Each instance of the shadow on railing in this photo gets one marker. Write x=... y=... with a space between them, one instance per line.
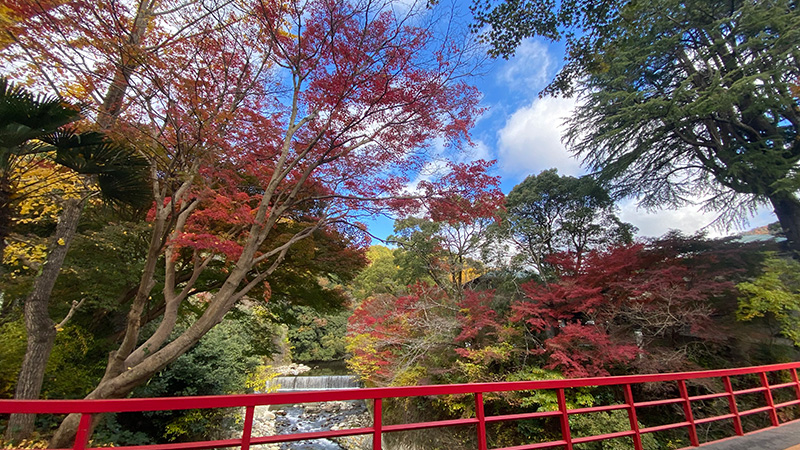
x=377 y=395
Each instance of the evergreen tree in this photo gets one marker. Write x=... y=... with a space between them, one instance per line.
x=682 y=100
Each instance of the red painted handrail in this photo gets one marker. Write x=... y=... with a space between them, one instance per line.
x=89 y=407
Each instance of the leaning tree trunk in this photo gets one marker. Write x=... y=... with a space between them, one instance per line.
x=787 y=208
x=120 y=384
x=40 y=328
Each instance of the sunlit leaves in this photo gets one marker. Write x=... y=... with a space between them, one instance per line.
x=774 y=294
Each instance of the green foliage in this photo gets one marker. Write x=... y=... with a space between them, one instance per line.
x=775 y=293
x=681 y=99
x=317 y=337
x=102 y=264
x=380 y=276
x=693 y=100
x=75 y=364
x=12 y=335
x=444 y=253
x=25 y=117
x=546 y=400
x=549 y=213
x=313 y=273
x=418 y=247
x=608 y=422
x=218 y=364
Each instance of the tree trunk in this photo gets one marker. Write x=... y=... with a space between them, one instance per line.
x=40 y=328
x=121 y=384
x=5 y=229
x=5 y=212
x=787 y=208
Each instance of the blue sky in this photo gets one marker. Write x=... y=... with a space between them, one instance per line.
x=523 y=133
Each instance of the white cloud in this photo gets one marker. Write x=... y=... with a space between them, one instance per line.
x=688 y=219
x=478 y=150
x=530 y=141
x=403 y=8
x=529 y=69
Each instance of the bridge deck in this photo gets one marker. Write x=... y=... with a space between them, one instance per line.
x=785 y=437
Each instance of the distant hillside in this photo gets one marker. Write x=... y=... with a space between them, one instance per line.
x=757 y=231
x=763 y=233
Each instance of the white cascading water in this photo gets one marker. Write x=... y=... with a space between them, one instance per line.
x=314 y=417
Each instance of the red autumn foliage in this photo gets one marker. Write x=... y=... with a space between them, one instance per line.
x=579 y=350
x=465 y=193
x=594 y=312
x=625 y=308
x=391 y=334
x=476 y=317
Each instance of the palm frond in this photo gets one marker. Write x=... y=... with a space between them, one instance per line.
x=24 y=116
x=121 y=173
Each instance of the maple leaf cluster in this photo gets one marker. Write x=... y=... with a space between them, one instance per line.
x=622 y=308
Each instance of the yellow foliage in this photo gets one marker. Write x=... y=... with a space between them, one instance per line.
x=259 y=378
x=182 y=424
x=24 y=444
x=10 y=17
x=364 y=361
x=38 y=186
x=470 y=274
x=409 y=376
x=23 y=254
x=476 y=368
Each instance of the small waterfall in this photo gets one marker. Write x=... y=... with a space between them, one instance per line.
x=313 y=383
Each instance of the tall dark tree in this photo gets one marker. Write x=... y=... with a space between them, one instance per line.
x=682 y=100
x=550 y=213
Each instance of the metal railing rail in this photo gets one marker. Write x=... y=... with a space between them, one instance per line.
x=87 y=408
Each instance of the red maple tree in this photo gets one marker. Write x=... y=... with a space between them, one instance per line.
x=255 y=116
x=624 y=302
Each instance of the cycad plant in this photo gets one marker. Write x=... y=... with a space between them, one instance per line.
x=42 y=126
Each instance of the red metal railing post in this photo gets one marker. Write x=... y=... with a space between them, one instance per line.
x=377 y=424
x=247 y=432
x=796 y=382
x=479 y=414
x=565 y=432
x=687 y=410
x=773 y=413
x=737 y=419
x=637 y=437
x=82 y=436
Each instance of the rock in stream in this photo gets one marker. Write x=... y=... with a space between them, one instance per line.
x=305 y=418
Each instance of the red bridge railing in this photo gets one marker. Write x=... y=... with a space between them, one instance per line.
x=87 y=408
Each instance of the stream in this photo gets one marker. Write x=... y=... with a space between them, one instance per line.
x=318 y=417
x=304 y=418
